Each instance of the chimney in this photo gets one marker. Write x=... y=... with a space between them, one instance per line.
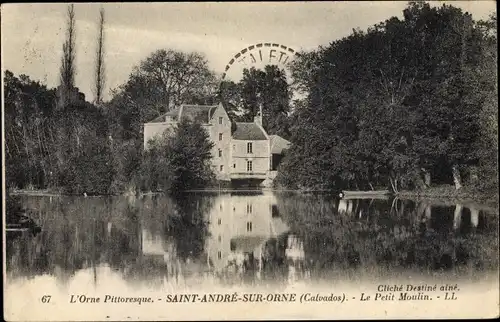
x=258 y=118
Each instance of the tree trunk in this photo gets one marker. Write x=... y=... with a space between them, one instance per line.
x=456 y=177
x=393 y=184
x=427 y=177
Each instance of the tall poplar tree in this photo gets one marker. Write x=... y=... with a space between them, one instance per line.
x=68 y=61
x=99 y=68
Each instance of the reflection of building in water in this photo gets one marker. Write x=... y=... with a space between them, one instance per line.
x=239 y=227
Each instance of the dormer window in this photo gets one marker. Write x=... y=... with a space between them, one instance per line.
x=220 y=120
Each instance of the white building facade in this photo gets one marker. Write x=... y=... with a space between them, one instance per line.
x=241 y=151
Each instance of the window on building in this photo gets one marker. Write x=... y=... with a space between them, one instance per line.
x=219 y=221
x=220 y=136
x=234 y=165
x=220 y=153
x=220 y=120
x=249 y=166
x=249 y=147
x=249 y=226
x=219 y=255
x=249 y=209
x=234 y=147
x=221 y=168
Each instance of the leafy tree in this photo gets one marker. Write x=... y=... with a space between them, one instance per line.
x=178 y=160
x=268 y=88
x=164 y=79
x=89 y=171
x=487 y=148
x=28 y=107
x=83 y=149
x=383 y=105
x=230 y=97
x=44 y=143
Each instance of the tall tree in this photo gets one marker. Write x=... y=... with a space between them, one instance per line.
x=67 y=72
x=178 y=160
x=100 y=67
x=405 y=95
x=487 y=149
x=28 y=144
x=230 y=97
x=162 y=80
x=267 y=88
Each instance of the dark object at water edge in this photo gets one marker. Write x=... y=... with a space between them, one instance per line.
x=346 y=193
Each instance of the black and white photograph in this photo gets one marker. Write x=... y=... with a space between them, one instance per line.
x=170 y=161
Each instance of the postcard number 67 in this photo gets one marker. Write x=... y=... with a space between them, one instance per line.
x=46 y=298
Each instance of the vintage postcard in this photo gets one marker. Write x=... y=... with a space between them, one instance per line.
x=250 y=160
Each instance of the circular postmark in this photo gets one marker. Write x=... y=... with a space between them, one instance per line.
x=262 y=54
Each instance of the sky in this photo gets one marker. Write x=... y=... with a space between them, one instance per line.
x=32 y=34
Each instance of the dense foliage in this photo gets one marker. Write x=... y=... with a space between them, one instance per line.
x=397 y=105
x=79 y=148
x=266 y=88
x=178 y=161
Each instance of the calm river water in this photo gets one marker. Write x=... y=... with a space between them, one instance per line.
x=258 y=238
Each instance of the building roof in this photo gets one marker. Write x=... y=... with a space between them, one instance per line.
x=278 y=144
x=161 y=118
x=248 y=131
x=196 y=113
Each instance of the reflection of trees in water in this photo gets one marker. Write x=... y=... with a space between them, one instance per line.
x=386 y=235
x=86 y=232
x=80 y=233
x=75 y=235
x=187 y=224
x=274 y=263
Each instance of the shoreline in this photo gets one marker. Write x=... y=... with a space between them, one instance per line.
x=444 y=195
